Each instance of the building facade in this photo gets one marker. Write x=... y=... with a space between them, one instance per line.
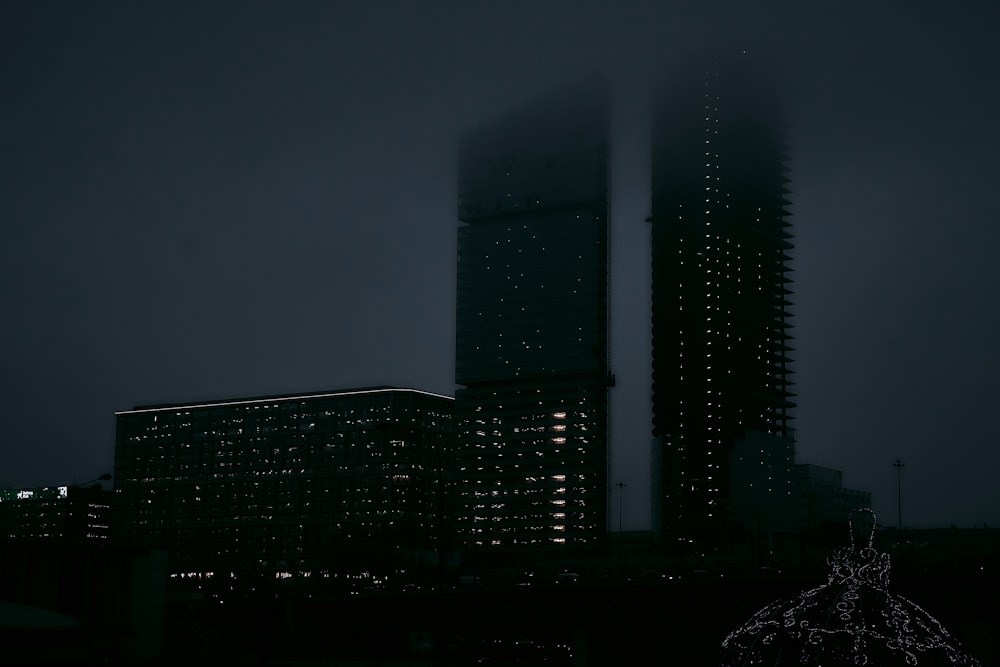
x=531 y=330
x=56 y=514
x=720 y=290
x=287 y=486
x=827 y=504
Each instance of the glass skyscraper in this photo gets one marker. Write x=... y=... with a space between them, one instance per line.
x=720 y=269
x=531 y=332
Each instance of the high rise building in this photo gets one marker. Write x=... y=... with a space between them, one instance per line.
x=720 y=270
x=321 y=484
x=531 y=333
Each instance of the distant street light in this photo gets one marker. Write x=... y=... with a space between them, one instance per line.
x=898 y=465
x=621 y=501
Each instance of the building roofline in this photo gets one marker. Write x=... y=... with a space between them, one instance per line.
x=277 y=397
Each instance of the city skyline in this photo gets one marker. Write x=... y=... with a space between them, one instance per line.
x=224 y=218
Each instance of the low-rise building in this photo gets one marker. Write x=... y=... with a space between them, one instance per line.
x=827 y=502
x=55 y=513
x=322 y=485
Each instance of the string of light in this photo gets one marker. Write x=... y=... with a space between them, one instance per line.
x=853 y=619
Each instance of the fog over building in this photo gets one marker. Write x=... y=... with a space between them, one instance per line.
x=531 y=356
x=721 y=389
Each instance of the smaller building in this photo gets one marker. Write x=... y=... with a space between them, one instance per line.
x=828 y=504
x=55 y=513
x=70 y=596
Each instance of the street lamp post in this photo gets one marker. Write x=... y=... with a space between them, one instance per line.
x=621 y=501
x=898 y=465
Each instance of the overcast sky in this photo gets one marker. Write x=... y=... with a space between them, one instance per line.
x=205 y=200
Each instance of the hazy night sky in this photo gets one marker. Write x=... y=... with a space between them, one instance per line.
x=206 y=200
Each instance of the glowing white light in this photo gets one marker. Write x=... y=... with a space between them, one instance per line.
x=283 y=399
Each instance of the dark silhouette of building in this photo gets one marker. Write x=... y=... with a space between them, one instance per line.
x=720 y=320
x=531 y=333
x=317 y=485
x=68 y=594
x=827 y=503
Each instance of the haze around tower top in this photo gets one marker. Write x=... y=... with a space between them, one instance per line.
x=232 y=199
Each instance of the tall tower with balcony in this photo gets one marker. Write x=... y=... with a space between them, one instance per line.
x=531 y=331
x=721 y=239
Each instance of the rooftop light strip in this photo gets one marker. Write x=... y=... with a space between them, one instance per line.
x=193 y=406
